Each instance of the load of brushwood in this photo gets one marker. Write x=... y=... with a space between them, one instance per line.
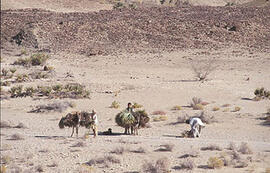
x=127 y=119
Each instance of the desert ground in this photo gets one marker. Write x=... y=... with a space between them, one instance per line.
x=158 y=73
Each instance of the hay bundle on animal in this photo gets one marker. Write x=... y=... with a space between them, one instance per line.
x=76 y=119
x=132 y=120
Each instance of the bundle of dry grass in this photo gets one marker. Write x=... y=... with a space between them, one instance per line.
x=206 y=118
x=138 y=119
x=76 y=119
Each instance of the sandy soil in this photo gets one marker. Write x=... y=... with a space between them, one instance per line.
x=158 y=82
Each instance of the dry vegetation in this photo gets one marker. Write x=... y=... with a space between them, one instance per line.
x=187 y=164
x=245 y=149
x=212 y=147
x=33 y=60
x=160 y=118
x=106 y=161
x=115 y=105
x=196 y=103
x=53 y=107
x=16 y=136
x=166 y=147
x=161 y=166
x=72 y=90
x=215 y=163
x=119 y=151
x=79 y=144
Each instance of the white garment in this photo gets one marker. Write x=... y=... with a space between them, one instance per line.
x=196 y=124
x=94 y=117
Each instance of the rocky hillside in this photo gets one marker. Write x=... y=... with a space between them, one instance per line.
x=135 y=30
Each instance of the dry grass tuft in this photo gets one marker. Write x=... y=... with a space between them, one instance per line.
x=215 y=163
x=206 y=118
x=212 y=147
x=196 y=103
x=119 y=151
x=160 y=118
x=105 y=161
x=161 y=166
x=79 y=144
x=191 y=153
x=53 y=107
x=187 y=164
x=5 y=159
x=166 y=147
x=137 y=106
x=158 y=113
x=232 y=146
x=236 y=109
x=53 y=165
x=245 y=149
x=16 y=136
x=140 y=150
x=215 y=108
x=182 y=119
x=177 y=108
x=5 y=124
x=39 y=168
x=226 y=105
x=20 y=126
x=115 y=105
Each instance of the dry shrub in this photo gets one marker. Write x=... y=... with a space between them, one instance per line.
x=17 y=136
x=226 y=159
x=5 y=124
x=196 y=103
x=5 y=147
x=187 y=164
x=105 y=160
x=232 y=146
x=182 y=118
x=226 y=105
x=161 y=166
x=3 y=169
x=137 y=106
x=79 y=144
x=20 y=126
x=115 y=105
x=202 y=69
x=212 y=147
x=34 y=60
x=191 y=153
x=241 y=164
x=226 y=110
x=236 y=109
x=267 y=170
x=54 y=164
x=158 y=113
x=215 y=108
x=187 y=134
x=53 y=107
x=140 y=150
x=160 y=118
x=119 y=150
x=86 y=169
x=215 y=163
x=245 y=149
x=5 y=159
x=39 y=168
x=166 y=147
x=206 y=118
x=177 y=108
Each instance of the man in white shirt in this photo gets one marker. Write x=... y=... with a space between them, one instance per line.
x=196 y=124
x=95 y=122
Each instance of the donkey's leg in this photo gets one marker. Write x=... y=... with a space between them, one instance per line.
x=77 y=130
x=72 y=131
x=125 y=131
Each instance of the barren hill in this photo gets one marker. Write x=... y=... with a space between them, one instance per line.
x=133 y=30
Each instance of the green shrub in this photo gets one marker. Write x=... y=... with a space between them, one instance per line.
x=136 y=105
x=13 y=70
x=118 y=5
x=177 y=108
